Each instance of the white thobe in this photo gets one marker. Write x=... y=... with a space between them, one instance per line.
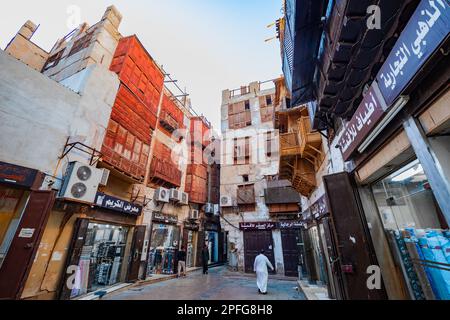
x=262 y=274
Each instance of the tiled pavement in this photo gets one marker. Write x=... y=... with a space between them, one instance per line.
x=219 y=284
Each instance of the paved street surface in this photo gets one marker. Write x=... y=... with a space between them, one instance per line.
x=218 y=285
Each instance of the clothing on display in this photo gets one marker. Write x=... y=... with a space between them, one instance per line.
x=163 y=246
x=212 y=239
x=101 y=258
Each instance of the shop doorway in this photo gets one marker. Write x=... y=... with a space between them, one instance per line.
x=163 y=247
x=136 y=253
x=212 y=239
x=254 y=242
x=96 y=258
x=351 y=239
x=22 y=228
x=190 y=245
x=291 y=242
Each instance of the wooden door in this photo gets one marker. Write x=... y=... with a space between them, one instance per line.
x=254 y=242
x=291 y=242
x=136 y=253
x=351 y=238
x=22 y=251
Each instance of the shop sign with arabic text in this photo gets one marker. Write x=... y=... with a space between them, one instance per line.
x=17 y=175
x=112 y=203
x=257 y=226
x=319 y=208
x=164 y=218
x=425 y=31
x=366 y=117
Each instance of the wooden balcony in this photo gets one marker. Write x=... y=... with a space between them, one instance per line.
x=304 y=177
x=310 y=142
x=289 y=144
x=165 y=173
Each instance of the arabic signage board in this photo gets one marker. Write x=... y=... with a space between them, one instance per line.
x=425 y=31
x=16 y=175
x=319 y=208
x=291 y=225
x=164 y=218
x=191 y=226
x=366 y=117
x=112 y=203
x=255 y=226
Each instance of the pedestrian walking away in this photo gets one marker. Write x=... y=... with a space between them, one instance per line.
x=262 y=274
x=205 y=258
x=181 y=257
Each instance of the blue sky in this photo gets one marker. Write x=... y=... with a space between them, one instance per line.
x=208 y=45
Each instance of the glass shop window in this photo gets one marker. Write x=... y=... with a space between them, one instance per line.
x=102 y=258
x=417 y=231
x=12 y=204
x=405 y=200
x=163 y=245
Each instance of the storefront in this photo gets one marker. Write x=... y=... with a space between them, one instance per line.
x=397 y=142
x=257 y=237
x=190 y=239
x=102 y=248
x=314 y=260
x=164 y=243
x=24 y=210
x=212 y=238
x=416 y=229
x=292 y=247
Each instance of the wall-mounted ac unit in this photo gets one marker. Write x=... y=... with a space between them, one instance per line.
x=81 y=183
x=184 y=198
x=105 y=177
x=194 y=214
x=216 y=210
x=175 y=195
x=226 y=201
x=162 y=195
x=209 y=208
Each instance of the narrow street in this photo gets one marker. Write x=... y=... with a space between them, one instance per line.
x=219 y=284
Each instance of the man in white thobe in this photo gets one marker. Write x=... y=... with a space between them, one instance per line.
x=262 y=274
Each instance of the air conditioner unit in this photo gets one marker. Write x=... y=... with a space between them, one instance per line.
x=194 y=214
x=184 y=198
x=209 y=208
x=105 y=177
x=226 y=201
x=216 y=210
x=162 y=195
x=81 y=182
x=175 y=195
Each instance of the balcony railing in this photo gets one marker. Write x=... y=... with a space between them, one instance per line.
x=304 y=177
x=310 y=142
x=289 y=144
